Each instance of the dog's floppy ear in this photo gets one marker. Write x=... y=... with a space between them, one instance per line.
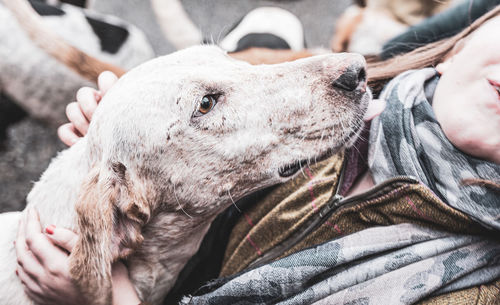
x=111 y=211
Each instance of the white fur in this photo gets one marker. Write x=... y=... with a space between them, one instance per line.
x=42 y=85
x=267 y=117
x=271 y=20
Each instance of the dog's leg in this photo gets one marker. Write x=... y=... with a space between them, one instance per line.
x=175 y=23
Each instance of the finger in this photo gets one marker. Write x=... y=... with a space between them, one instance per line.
x=87 y=100
x=25 y=258
x=22 y=251
x=32 y=224
x=75 y=116
x=45 y=252
x=68 y=134
x=20 y=238
x=31 y=287
x=30 y=283
x=105 y=81
x=61 y=237
x=27 y=261
x=36 y=298
x=20 y=244
x=35 y=240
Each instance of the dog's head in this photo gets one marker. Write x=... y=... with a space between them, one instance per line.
x=197 y=129
x=209 y=125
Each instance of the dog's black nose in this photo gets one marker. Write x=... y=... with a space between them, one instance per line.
x=351 y=78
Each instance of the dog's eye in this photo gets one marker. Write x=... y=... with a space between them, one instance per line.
x=207 y=103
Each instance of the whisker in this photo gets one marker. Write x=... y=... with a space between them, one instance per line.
x=179 y=203
x=234 y=203
x=221 y=32
x=302 y=170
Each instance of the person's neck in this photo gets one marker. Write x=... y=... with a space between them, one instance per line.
x=363 y=183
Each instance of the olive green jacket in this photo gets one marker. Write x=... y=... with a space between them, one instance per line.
x=300 y=214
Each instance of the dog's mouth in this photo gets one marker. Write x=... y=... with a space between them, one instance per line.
x=292 y=168
x=371 y=110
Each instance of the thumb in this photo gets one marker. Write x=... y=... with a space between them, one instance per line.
x=61 y=237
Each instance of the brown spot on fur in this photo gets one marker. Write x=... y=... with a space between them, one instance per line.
x=134 y=211
x=119 y=169
x=291 y=130
x=75 y=59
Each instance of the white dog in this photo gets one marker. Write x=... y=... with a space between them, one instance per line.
x=171 y=145
x=29 y=72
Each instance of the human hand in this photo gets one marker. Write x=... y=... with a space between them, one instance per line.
x=80 y=112
x=43 y=266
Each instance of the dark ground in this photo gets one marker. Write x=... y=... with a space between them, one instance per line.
x=30 y=144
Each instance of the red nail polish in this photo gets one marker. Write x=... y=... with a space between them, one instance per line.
x=17 y=273
x=50 y=229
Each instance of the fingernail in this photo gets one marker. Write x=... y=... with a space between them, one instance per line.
x=17 y=273
x=50 y=229
x=14 y=242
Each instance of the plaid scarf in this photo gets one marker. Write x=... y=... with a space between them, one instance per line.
x=399 y=264
x=406 y=139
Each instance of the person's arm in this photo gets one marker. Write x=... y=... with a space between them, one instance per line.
x=42 y=266
x=123 y=291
